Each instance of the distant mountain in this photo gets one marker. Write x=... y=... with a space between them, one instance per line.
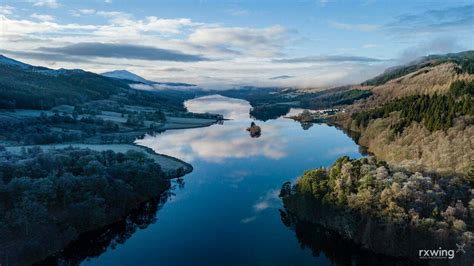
x=127 y=75
x=26 y=86
x=23 y=86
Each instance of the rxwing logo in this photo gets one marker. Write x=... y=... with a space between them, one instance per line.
x=441 y=253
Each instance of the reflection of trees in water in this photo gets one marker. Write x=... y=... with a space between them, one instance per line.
x=93 y=244
x=354 y=136
x=180 y=182
x=337 y=249
x=306 y=125
x=269 y=112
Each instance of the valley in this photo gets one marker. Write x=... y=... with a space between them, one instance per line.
x=102 y=156
x=235 y=133
x=74 y=156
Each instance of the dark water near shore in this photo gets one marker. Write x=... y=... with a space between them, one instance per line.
x=227 y=210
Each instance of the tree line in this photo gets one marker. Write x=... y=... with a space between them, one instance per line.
x=399 y=204
x=435 y=112
x=48 y=198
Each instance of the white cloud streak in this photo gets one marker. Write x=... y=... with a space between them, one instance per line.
x=6 y=10
x=42 y=17
x=46 y=3
x=258 y=42
x=233 y=56
x=354 y=27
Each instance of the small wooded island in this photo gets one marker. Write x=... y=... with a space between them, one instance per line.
x=254 y=130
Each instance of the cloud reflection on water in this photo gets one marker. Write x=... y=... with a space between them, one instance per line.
x=219 y=142
x=230 y=108
x=269 y=200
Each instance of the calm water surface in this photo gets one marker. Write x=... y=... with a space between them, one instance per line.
x=227 y=212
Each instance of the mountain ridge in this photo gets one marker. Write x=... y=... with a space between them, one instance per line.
x=130 y=76
x=127 y=75
x=463 y=59
x=24 y=86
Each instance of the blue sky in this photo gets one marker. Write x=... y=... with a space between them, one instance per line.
x=312 y=44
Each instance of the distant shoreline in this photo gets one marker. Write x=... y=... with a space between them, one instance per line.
x=171 y=165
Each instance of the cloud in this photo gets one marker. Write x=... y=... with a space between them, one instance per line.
x=258 y=42
x=434 y=21
x=86 y=11
x=237 y=11
x=42 y=17
x=439 y=45
x=370 y=45
x=229 y=63
x=46 y=3
x=227 y=56
x=159 y=86
x=45 y=56
x=128 y=51
x=116 y=16
x=173 y=69
x=6 y=10
x=143 y=87
x=13 y=27
x=354 y=27
x=123 y=22
x=282 y=77
x=330 y=59
x=323 y=2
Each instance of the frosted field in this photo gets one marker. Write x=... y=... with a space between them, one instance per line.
x=167 y=163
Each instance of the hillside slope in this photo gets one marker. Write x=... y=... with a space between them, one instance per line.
x=422 y=119
x=24 y=86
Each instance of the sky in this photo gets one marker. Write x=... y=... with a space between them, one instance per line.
x=225 y=44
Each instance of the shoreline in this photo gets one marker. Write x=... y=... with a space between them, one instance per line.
x=172 y=167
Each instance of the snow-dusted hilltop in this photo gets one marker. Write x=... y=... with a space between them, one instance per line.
x=127 y=75
x=124 y=74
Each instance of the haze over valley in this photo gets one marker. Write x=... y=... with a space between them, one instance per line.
x=236 y=133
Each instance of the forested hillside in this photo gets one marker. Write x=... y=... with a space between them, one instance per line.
x=464 y=62
x=436 y=112
x=421 y=119
x=40 y=88
x=23 y=86
x=49 y=198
